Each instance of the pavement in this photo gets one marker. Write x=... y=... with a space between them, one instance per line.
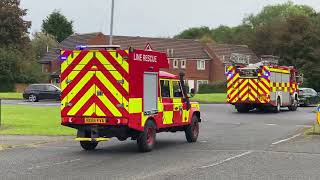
x=25 y=102
x=230 y=146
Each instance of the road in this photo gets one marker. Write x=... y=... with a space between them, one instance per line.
x=231 y=146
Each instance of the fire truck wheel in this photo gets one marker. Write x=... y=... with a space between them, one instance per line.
x=192 y=130
x=294 y=106
x=88 y=145
x=146 y=139
x=278 y=107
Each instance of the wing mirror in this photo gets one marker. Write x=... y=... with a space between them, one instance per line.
x=192 y=92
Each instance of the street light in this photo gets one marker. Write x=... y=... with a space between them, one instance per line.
x=111 y=22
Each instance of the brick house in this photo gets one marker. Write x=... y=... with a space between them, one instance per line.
x=202 y=63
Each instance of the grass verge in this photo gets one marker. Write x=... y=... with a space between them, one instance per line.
x=11 y=95
x=210 y=98
x=314 y=130
x=31 y=120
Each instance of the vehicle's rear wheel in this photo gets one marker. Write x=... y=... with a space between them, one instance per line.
x=294 y=106
x=242 y=108
x=146 y=139
x=277 y=108
x=88 y=145
x=192 y=130
x=33 y=98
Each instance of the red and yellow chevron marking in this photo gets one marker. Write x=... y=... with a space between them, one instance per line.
x=94 y=83
x=247 y=89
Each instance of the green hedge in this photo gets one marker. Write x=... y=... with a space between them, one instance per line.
x=217 y=87
x=6 y=86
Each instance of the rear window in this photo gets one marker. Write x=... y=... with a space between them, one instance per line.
x=248 y=72
x=308 y=91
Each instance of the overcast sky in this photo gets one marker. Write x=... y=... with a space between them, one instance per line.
x=153 y=18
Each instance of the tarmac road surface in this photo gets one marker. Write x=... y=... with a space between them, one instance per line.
x=230 y=146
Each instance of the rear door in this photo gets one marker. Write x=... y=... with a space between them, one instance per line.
x=112 y=85
x=78 y=85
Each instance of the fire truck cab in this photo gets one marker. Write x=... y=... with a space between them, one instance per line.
x=110 y=92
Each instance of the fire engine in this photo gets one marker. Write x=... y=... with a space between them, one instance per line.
x=111 y=92
x=264 y=85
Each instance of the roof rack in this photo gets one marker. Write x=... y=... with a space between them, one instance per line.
x=269 y=60
x=99 y=46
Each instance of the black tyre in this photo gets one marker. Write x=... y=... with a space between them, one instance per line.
x=147 y=139
x=242 y=108
x=192 y=130
x=294 y=106
x=277 y=108
x=33 y=98
x=88 y=145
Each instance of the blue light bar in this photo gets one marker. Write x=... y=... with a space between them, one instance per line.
x=81 y=47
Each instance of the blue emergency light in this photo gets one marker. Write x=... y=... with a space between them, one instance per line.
x=229 y=74
x=266 y=74
x=63 y=57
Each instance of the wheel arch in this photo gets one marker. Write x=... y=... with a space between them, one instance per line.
x=153 y=120
x=197 y=113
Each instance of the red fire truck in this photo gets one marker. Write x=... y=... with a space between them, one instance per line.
x=264 y=85
x=110 y=92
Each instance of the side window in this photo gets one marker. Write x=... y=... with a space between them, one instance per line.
x=36 y=87
x=177 y=92
x=42 y=88
x=51 y=88
x=165 y=88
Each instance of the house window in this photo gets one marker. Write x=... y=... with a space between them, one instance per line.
x=183 y=64
x=44 y=68
x=175 y=63
x=199 y=82
x=201 y=64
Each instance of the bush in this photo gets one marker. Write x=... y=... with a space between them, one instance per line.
x=217 y=87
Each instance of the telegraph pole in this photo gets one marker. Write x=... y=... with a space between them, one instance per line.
x=111 y=22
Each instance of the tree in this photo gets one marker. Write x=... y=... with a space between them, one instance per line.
x=287 y=30
x=13 y=29
x=41 y=43
x=194 y=33
x=57 y=25
x=279 y=12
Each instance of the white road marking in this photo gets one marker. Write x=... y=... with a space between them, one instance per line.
x=284 y=140
x=228 y=159
x=49 y=165
x=272 y=124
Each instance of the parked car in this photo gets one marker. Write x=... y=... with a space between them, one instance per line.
x=36 y=92
x=308 y=96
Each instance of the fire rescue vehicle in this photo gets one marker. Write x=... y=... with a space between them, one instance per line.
x=264 y=85
x=110 y=92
